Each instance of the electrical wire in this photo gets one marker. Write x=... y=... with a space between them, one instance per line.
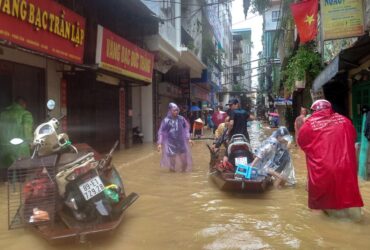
x=232 y=81
x=189 y=4
x=243 y=63
x=245 y=19
x=193 y=13
x=245 y=71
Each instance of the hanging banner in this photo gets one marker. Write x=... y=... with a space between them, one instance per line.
x=118 y=55
x=44 y=26
x=342 y=18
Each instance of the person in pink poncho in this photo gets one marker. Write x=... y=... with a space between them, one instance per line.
x=299 y=122
x=174 y=140
x=328 y=140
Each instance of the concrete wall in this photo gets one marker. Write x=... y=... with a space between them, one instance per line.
x=136 y=107
x=147 y=112
x=191 y=21
x=170 y=28
x=269 y=24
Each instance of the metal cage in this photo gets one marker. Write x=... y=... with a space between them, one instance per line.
x=32 y=192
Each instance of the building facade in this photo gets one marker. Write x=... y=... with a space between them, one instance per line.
x=110 y=67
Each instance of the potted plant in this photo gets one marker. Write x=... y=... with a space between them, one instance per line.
x=305 y=61
x=300 y=84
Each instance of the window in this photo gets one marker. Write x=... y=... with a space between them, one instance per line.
x=168 y=8
x=166 y=5
x=275 y=15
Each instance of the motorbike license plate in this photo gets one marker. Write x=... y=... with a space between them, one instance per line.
x=241 y=160
x=91 y=188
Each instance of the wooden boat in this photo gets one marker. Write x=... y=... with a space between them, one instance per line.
x=69 y=228
x=62 y=225
x=227 y=182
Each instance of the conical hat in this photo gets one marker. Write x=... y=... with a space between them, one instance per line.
x=199 y=120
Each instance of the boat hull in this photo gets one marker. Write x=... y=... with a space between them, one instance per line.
x=70 y=229
x=227 y=182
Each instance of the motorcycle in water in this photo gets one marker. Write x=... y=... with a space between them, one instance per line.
x=237 y=176
x=137 y=135
x=64 y=190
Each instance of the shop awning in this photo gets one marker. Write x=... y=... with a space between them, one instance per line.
x=283 y=101
x=346 y=60
x=166 y=54
x=207 y=78
x=327 y=74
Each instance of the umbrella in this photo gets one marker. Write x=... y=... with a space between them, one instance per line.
x=208 y=109
x=274 y=114
x=194 y=108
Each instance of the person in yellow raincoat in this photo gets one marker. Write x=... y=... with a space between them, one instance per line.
x=15 y=122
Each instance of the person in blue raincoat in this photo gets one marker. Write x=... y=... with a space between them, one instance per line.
x=15 y=122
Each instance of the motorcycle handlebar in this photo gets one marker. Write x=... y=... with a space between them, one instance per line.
x=60 y=117
x=106 y=161
x=113 y=148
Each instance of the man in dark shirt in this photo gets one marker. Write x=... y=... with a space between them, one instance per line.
x=238 y=119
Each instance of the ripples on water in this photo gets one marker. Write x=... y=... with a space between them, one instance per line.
x=187 y=211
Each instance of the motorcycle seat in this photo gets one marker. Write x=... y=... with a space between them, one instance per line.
x=238 y=145
x=67 y=160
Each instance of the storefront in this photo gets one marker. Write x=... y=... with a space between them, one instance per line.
x=200 y=95
x=172 y=86
x=19 y=80
x=168 y=92
x=204 y=89
x=345 y=81
x=104 y=104
x=37 y=39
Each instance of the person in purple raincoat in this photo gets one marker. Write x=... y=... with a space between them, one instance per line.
x=174 y=140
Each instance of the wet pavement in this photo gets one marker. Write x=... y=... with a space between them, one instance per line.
x=187 y=211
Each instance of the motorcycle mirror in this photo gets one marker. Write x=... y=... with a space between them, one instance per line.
x=50 y=104
x=16 y=141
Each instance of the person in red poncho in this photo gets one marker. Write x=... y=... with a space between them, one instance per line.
x=328 y=140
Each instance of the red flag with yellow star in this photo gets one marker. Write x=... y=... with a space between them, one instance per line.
x=305 y=17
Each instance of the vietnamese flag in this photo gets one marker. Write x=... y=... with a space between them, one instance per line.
x=305 y=17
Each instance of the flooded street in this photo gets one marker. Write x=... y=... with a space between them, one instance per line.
x=187 y=211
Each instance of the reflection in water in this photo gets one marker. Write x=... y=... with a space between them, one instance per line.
x=187 y=211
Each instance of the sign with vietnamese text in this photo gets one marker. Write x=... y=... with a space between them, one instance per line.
x=118 y=55
x=342 y=18
x=44 y=26
x=170 y=90
x=200 y=93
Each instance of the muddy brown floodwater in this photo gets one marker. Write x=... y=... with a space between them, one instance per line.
x=187 y=211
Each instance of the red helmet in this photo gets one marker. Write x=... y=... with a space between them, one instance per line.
x=320 y=104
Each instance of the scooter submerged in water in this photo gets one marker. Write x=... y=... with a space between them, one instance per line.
x=64 y=190
x=137 y=135
x=236 y=175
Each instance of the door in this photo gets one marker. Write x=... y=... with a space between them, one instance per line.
x=107 y=116
x=92 y=111
x=5 y=91
x=360 y=97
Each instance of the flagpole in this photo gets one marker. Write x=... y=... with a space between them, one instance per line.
x=321 y=35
